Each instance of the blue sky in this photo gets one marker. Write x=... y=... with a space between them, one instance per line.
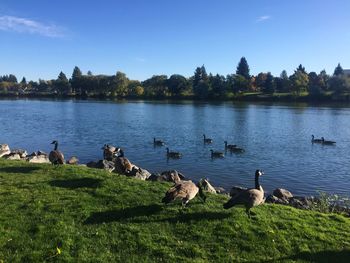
x=40 y=38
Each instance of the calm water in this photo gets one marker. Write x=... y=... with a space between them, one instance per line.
x=277 y=138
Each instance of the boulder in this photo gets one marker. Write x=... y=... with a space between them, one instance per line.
x=13 y=156
x=4 y=150
x=73 y=160
x=275 y=200
x=106 y=165
x=168 y=176
x=91 y=164
x=206 y=186
x=282 y=193
x=38 y=159
x=139 y=173
x=22 y=153
x=220 y=190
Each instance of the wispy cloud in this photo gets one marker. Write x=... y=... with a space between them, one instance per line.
x=263 y=18
x=24 y=25
x=139 y=59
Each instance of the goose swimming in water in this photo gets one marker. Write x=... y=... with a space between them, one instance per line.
x=207 y=140
x=55 y=156
x=185 y=190
x=215 y=154
x=313 y=140
x=173 y=154
x=249 y=197
x=327 y=142
x=230 y=146
x=158 y=142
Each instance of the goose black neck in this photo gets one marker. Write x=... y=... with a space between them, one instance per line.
x=56 y=145
x=257 y=185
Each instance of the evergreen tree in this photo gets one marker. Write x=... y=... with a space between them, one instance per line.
x=62 y=84
x=23 y=82
x=269 y=86
x=243 y=68
x=301 y=69
x=338 y=70
x=201 y=83
x=76 y=80
x=299 y=82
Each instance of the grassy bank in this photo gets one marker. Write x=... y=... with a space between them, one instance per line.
x=78 y=214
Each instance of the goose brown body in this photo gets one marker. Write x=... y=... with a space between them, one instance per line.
x=249 y=197
x=185 y=190
x=55 y=156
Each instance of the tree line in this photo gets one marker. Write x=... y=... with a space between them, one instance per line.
x=199 y=86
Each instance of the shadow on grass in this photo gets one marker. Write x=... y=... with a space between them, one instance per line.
x=77 y=183
x=23 y=170
x=319 y=257
x=133 y=214
x=123 y=214
x=185 y=217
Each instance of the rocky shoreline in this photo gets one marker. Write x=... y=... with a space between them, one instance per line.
x=121 y=165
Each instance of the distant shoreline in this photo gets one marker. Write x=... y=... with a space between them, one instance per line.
x=243 y=97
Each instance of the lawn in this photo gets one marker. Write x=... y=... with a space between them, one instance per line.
x=77 y=214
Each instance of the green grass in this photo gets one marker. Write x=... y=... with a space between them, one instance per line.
x=93 y=216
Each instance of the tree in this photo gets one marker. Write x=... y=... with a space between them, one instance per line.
x=324 y=78
x=243 y=68
x=89 y=73
x=75 y=81
x=177 y=84
x=299 y=82
x=156 y=86
x=218 y=86
x=314 y=84
x=260 y=80
x=302 y=69
x=338 y=84
x=23 y=82
x=338 y=70
x=120 y=84
x=269 y=86
x=62 y=84
x=201 y=83
x=240 y=84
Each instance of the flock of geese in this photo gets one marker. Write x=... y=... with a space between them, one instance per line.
x=233 y=148
x=184 y=190
x=187 y=190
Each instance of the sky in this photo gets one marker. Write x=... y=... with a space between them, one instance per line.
x=40 y=38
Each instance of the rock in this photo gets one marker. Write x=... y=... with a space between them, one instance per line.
x=282 y=193
x=38 y=159
x=73 y=160
x=4 y=150
x=13 y=156
x=20 y=152
x=220 y=190
x=207 y=186
x=139 y=173
x=275 y=200
x=170 y=176
x=236 y=189
x=38 y=153
x=106 y=165
x=91 y=164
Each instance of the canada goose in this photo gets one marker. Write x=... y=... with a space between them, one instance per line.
x=313 y=140
x=55 y=156
x=229 y=146
x=215 y=154
x=207 y=140
x=237 y=150
x=109 y=152
x=249 y=197
x=186 y=190
x=158 y=142
x=172 y=154
x=327 y=142
x=123 y=163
